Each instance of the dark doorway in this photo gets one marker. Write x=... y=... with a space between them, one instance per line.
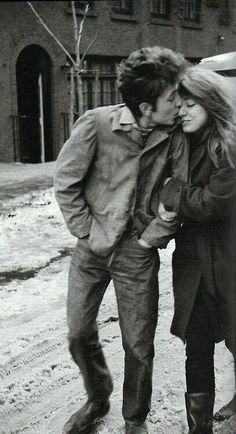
x=33 y=74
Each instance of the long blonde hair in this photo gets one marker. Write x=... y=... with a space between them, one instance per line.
x=213 y=92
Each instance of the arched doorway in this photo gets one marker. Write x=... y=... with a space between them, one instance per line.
x=33 y=75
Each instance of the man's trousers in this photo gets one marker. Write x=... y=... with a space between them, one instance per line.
x=134 y=270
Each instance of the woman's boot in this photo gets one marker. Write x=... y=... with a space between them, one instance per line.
x=227 y=411
x=199 y=407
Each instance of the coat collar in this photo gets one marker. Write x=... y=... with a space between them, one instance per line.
x=198 y=155
x=202 y=150
x=123 y=120
x=157 y=136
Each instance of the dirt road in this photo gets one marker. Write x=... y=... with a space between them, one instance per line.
x=40 y=385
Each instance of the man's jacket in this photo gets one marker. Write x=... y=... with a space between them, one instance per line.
x=104 y=177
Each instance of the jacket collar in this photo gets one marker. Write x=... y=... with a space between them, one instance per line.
x=122 y=119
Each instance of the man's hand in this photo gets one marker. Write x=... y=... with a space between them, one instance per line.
x=144 y=244
x=167 y=216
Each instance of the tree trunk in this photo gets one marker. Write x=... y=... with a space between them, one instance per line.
x=72 y=97
x=80 y=94
x=96 y=89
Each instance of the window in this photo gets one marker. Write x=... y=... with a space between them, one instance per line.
x=99 y=80
x=160 y=8
x=122 y=7
x=192 y=10
x=212 y=3
x=224 y=17
x=99 y=83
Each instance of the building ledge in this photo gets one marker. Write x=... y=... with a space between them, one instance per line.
x=161 y=21
x=191 y=25
x=123 y=17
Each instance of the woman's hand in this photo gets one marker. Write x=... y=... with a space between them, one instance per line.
x=167 y=216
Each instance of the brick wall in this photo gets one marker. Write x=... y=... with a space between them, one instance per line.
x=118 y=36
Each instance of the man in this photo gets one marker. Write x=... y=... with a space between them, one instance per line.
x=107 y=179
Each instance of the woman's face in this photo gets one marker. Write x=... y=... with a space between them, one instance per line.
x=193 y=115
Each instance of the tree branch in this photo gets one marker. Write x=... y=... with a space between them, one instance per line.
x=90 y=45
x=75 y=22
x=52 y=34
x=78 y=61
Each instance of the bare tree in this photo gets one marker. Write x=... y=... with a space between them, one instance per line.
x=76 y=64
x=78 y=30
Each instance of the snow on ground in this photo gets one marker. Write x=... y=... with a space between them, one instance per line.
x=34 y=234
x=40 y=385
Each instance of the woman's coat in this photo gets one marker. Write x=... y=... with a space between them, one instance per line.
x=205 y=242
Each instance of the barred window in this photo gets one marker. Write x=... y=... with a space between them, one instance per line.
x=224 y=5
x=192 y=10
x=122 y=7
x=160 y=8
x=99 y=83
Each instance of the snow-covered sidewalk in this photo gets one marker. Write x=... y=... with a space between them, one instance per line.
x=18 y=181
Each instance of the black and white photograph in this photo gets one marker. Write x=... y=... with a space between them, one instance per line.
x=118 y=217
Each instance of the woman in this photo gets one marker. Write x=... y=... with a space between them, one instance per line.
x=204 y=276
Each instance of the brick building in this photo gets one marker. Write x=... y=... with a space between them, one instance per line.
x=34 y=76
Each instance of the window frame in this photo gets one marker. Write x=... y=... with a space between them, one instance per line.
x=224 y=13
x=119 y=10
x=108 y=92
x=198 y=12
x=157 y=14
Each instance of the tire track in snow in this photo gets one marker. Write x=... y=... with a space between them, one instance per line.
x=52 y=350
x=18 y=361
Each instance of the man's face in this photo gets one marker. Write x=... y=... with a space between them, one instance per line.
x=167 y=107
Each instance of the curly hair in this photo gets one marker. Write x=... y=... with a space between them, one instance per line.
x=212 y=91
x=145 y=74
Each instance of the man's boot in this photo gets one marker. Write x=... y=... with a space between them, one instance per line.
x=227 y=411
x=132 y=428
x=98 y=385
x=83 y=419
x=199 y=408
